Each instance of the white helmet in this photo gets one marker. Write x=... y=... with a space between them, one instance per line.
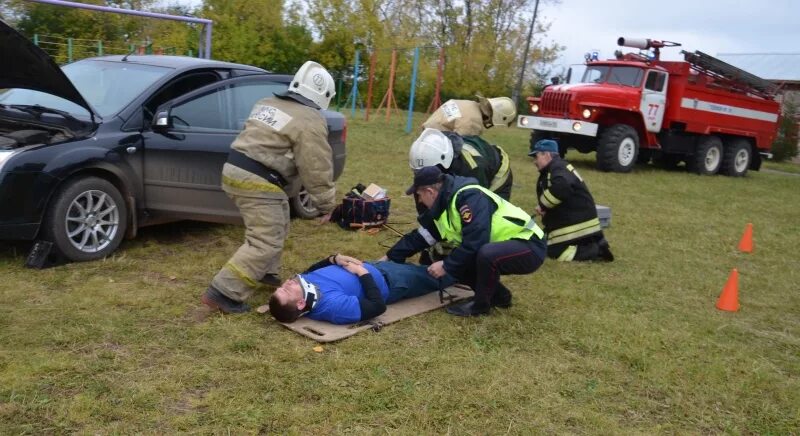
x=313 y=82
x=431 y=148
x=503 y=111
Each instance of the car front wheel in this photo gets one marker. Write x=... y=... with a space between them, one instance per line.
x=87 y=219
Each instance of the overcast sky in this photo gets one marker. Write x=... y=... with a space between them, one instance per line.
x=711 y=26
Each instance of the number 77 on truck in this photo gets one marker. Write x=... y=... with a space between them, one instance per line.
x=709 y=114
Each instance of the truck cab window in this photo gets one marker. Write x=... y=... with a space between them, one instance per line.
x=655 y=81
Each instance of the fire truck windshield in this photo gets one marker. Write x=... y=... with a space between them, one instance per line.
x=626 y=76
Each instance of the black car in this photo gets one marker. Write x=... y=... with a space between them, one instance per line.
x=91 y=153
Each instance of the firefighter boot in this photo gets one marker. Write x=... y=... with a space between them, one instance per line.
x=217 y=301
x=271 y=280
x=605 y=250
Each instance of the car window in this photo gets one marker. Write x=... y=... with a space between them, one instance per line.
x=107 y=86
x=203 y=112
x=178 y=87
x=245 y=96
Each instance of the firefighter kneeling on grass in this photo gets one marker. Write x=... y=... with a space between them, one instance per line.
x=567 y=208
x=284 y=145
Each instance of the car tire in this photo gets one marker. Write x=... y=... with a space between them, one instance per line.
x=302 y=206
x=736 y=158
x=707 y=158
x=87 y=219
x=617 y=149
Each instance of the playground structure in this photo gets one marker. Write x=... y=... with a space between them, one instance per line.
x=389 y=101
x=205 y=43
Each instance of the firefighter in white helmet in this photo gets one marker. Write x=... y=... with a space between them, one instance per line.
x=470 y=118
x=284 y=145
x=467 y=156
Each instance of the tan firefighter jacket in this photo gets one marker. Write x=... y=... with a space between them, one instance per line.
x=461 y=116
x=291 y=139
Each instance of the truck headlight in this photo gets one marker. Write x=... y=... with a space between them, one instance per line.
x=586 y=113
x=523 y=121
x=535 y=108
x=576 y=126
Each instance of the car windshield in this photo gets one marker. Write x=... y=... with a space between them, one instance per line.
x=627 y=76
x=107 y=86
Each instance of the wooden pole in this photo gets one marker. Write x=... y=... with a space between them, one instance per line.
x=437 y=93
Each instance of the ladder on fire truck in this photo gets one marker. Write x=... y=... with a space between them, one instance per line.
x=733 y=76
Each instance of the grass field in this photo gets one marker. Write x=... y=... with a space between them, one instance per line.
x=631 y=347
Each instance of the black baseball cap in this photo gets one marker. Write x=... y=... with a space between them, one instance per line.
x=425 y=176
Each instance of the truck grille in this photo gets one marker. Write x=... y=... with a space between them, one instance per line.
x=555 y=103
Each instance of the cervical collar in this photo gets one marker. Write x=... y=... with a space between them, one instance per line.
x=310 y=293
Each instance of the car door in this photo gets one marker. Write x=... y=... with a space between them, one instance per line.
x=183 y=162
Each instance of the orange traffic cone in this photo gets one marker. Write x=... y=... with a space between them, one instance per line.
x=746 y=244
x=729 y=299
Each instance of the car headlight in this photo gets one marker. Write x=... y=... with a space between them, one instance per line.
x=535 y=108
x=587 y=113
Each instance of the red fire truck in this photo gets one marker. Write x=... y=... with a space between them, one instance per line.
x=703 y=111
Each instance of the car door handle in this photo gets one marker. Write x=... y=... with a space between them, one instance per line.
x=131 y=150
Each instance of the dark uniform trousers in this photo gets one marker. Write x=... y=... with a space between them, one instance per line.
x=494 y=259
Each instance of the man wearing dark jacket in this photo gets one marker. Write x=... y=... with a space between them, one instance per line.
x=492 y=237
x=567 y=208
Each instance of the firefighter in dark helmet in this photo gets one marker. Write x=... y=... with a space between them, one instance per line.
x=567 y=208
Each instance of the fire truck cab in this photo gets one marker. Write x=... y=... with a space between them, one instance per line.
x=711 y=115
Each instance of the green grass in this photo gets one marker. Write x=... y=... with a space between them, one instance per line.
x=786 y=166
x=635 y=346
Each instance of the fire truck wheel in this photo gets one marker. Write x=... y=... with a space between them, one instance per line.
x=736 y=158
x=617 y=148
x=707 y=157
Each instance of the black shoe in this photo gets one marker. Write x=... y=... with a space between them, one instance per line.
x=605 y=251
x=271 y=280
x=467 y=309
x=503 y=302
x=501 y=297
x=217 y=301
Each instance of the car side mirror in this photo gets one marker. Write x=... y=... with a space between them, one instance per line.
x=162 y=122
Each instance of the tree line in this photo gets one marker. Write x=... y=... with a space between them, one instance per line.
x=483 y=40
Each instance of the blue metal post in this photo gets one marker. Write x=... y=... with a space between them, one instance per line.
x=413 y=87
x=354 y=93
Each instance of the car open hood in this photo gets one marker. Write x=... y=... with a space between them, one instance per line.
x=23 y=65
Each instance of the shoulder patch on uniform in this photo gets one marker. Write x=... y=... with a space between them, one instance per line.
x=451 y=111
x=466 y=213
x=271 y=116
